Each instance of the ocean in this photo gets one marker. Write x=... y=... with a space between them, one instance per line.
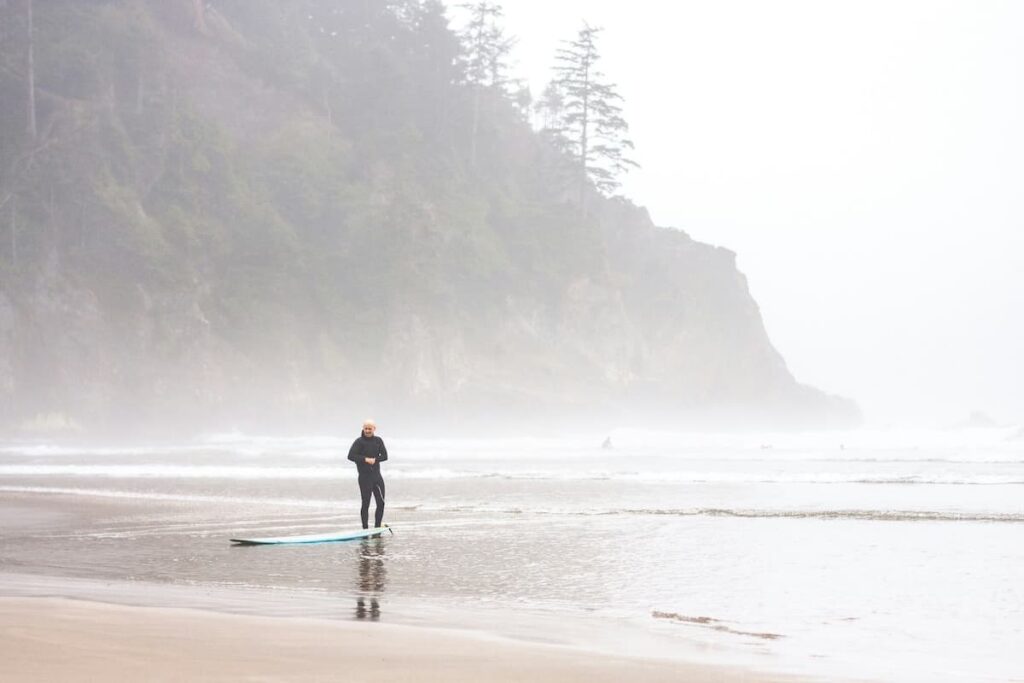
x=873 y=555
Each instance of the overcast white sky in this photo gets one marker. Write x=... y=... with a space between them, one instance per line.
x=864 y=159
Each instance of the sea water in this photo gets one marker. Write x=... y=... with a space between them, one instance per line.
x=878 y=555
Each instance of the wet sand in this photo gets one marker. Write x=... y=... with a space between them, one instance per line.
x=57 y=639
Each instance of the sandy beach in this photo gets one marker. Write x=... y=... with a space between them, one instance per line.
x=513 y=561
x=57 y=639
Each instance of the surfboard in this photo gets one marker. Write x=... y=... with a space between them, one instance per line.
x=332 y=537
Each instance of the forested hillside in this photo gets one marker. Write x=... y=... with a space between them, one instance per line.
x=275 y=215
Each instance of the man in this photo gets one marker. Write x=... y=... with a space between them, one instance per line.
x=368 y=452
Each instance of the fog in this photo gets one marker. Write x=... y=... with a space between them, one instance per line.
x=864 y=160
x=352 y=210
x=773 y=369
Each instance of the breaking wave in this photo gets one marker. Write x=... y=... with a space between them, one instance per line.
x=495 y=510
x=322 y=472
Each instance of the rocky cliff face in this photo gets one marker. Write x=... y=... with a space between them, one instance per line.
x=207 y=241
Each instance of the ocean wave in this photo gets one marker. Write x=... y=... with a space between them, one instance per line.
x=168 y=452
x=43 y=450
x=169 y=497
x=694 y=477
x=323 y=505
x=322 y=472
x=867 y=515
x=744 y=513
x=713 y=624
x=507 y=510
x=232 y=472
x=1001 y=444
x=160 y=471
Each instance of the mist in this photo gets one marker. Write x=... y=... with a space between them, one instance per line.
x=864 y=161
x=819 y=225
x=559 y=341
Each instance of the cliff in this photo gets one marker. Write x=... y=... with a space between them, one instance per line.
x=265 y=215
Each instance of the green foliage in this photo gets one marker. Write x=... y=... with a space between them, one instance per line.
x=486 y=48
x=584 y=115
x=290 y=186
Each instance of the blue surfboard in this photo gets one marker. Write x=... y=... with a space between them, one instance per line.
x=332 y=537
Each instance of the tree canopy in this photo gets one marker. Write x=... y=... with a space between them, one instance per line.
x=280 y=209
x=583 y=114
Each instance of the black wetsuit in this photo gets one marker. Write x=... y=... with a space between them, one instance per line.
x=370 y=480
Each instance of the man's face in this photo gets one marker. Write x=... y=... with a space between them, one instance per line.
x=368 y=429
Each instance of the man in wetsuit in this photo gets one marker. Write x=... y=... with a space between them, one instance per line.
x=368 y=452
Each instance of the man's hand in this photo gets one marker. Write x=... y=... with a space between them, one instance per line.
x=370 y=461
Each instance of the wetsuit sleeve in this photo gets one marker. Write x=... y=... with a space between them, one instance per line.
x=383 y=455
x=353 y=452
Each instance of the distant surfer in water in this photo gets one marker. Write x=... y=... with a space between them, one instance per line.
x=368 y=452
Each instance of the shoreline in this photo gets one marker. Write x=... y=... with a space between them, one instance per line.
x=506 y=540
x=581 y=633
x=60 y=638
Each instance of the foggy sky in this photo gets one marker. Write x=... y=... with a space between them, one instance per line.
x=865 y=160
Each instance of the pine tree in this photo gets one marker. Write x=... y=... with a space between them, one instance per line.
x=583 y=115
x=486 y=47
x=485 y=54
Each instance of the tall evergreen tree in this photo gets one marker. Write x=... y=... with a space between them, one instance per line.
x=485 y=45
x=485 y=52
x=583 y=115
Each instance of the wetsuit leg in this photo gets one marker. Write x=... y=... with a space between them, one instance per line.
x=366 y=487
x=378 y=494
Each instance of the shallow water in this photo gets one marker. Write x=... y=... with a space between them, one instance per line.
x=880 y=555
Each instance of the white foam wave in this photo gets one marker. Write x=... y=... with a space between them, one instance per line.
x=994 y=445
x=232 y=472
x=488 y=508
x=170 y=497
x=160 y=471
x=677 y=477
x=42 y=450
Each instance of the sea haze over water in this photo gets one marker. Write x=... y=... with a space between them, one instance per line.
x=884 y=555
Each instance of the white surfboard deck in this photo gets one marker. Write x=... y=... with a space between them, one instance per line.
x=332 y=537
